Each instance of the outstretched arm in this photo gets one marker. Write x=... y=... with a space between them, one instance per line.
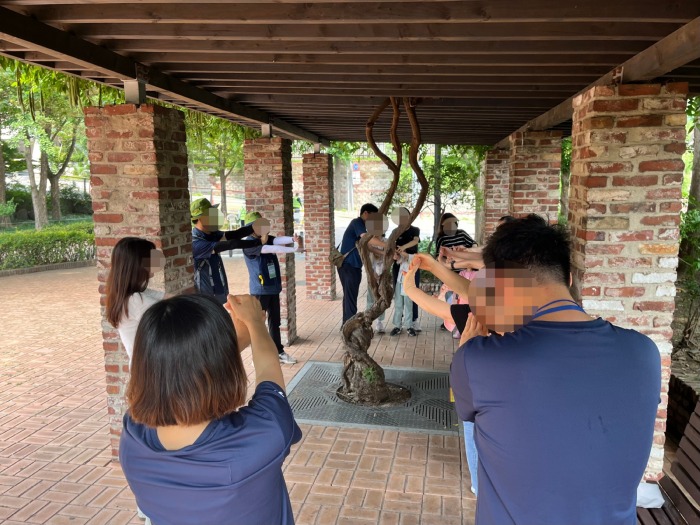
x=453 y=281
x=425 y=302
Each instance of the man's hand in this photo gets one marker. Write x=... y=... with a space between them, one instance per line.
x=472 y=329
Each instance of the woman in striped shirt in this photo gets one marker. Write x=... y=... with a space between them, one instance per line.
x=450 y=236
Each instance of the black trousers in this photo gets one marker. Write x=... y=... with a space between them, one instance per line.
x=271 y=304
x=350 y=279
x=395 y=273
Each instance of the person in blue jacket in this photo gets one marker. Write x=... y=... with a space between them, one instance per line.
x=265 y=276
x=208 y=241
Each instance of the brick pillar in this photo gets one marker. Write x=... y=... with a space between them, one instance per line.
x=625 y=199
x=268 y=189
x=535 y=163
x=138 y=176
x=319 y=225
x=496 y=177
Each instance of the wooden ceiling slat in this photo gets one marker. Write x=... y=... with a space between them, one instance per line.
x=372 y=12
x=184 y=69
x=567 y=60
x=413 y=48
x=372 y=32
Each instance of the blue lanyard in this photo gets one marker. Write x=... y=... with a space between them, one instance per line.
x=573 y=306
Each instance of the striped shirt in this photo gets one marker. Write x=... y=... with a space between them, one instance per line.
x=460 y=238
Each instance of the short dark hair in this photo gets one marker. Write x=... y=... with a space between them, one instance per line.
x=371 y=208
x=533 y=243
x=506 y=218
x=186 y=368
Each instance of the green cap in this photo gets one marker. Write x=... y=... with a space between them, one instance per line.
x=199 y=207
x=252 y=216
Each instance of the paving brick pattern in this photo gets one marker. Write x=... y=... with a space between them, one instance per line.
x=55 y=459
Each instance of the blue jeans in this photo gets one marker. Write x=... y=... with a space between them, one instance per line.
x=403 y=309
x=472 y=455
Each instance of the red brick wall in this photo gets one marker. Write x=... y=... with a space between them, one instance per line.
x=535 y=163
x=138 y=167
x=496 y=175
x=625 y=199
x=319 y=226
x=268 y=190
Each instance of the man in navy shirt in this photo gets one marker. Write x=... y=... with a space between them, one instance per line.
x=208 y=241
x=564 y=405
x=350 y=272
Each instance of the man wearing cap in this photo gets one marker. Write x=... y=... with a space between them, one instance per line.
x=208 y=241
x=266 y=277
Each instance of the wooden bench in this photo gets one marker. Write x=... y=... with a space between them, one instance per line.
x=682 y=505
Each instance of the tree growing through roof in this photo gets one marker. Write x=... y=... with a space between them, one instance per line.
x=363 y=379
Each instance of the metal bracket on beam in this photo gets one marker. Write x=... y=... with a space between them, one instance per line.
x=135 y=92
x=617 y=75
x=317 y=148
x=266 y=130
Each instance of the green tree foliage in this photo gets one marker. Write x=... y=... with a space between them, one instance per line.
x=565 y=180
x=49 y=116
x=218 y=143
x=452 y=173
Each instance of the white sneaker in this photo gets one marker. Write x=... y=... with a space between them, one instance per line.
x=416 y=326
x=380 y=327
x=140 y=514
x=287 y=359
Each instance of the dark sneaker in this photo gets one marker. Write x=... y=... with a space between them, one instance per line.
x=412 y=332
x=443 y=328
x=395 y=331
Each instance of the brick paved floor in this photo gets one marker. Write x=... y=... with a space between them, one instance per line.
x=55 y=465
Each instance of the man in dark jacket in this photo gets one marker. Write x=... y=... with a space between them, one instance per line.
x=208 y=241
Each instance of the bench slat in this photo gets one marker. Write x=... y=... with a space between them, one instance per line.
x=661 y=515
x=688 y=474
x=693 y=453
x=694 y=423
x=644 y=517
x=685 y=507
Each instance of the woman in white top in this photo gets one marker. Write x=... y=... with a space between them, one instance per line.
x=128 y=297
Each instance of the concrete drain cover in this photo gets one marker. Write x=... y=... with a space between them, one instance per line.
x=313 y=400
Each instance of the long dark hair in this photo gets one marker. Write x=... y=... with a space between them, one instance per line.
x=129 y=275
x=187 y=367
x=441 y=228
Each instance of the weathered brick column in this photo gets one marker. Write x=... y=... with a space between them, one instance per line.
x=625 y=199
x=496 y=178
x=138 y=168
x=319 y=225
x=268 y=189
x=535 y=162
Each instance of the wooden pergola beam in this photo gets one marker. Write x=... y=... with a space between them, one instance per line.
x=456 y=32
x=676 y=50
x=63 y=46
x=411 y=47
x=310 y=13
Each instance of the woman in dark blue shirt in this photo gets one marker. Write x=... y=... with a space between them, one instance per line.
x=190 y=452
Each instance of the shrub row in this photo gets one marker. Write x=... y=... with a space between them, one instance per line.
x=52 y=245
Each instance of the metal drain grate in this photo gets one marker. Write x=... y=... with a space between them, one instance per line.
x=313 y=400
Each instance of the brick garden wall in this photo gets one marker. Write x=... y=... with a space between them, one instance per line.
x=496 y=175
x=138 y=167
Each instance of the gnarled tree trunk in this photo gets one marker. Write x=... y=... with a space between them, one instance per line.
x=363 y=379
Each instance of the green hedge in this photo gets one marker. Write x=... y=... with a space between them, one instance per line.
x=52 y=245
